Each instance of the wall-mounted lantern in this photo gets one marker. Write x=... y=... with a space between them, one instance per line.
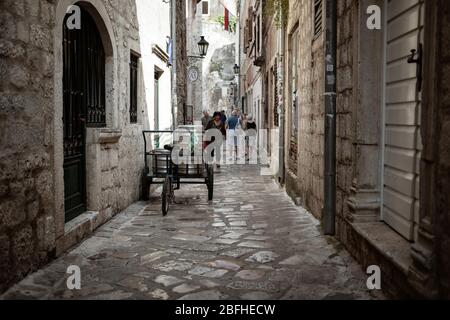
x=203 y=46
x=236 y=69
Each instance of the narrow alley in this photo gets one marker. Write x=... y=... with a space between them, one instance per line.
x=341 y=108
x=251 y=242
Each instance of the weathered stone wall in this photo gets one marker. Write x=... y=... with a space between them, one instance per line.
x=345 y=107
x=359 y=187
x=359 y=83
x=182 y=61
x=305 y=181
x=31 y=213
x=125 y=23
x=442 y=218
x=27 y=228
x=218 y=75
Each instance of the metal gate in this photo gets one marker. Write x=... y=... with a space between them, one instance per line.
x=402 y=116
x=84 y=105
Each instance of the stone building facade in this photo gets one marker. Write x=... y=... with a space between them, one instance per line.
x=180 y=70
x=304 y=79
x=214 y=88
x=97 y=172
x=380 y=94
x=392 y=166
x=252 y=59
x=273 y=84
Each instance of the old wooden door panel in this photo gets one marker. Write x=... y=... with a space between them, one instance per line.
x=83 y=105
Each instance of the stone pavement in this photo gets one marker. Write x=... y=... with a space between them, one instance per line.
x=252 y=242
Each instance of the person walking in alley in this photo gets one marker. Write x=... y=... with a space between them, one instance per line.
x=224 y=117
x=250 y=123
x=251 y=130
x=233 y=124
x=217 y=123
x=244 y=119
x=206 y=119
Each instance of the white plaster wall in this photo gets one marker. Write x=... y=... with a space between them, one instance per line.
x=257 y=96
x=154 y=28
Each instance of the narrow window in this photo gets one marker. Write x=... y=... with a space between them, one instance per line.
x=318 y=20
x=276 y=120
x=258 y=35
x=133 y=87
x=293 y=75
x=158 y=74
x=205 y=8
x=250 y=24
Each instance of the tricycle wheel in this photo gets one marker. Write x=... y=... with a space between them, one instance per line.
x=166 y=195
x=210 y=183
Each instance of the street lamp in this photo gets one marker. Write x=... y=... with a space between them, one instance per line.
x=236 y=69
x=203 y=46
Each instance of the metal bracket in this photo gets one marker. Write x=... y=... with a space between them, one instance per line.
x=412 y=59
x=193 y=60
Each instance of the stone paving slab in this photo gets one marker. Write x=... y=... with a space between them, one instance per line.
x=251 y=242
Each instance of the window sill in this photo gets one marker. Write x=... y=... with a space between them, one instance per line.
x=389 y=243
x=103 y=136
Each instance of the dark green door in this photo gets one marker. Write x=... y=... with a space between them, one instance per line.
x=84 y=106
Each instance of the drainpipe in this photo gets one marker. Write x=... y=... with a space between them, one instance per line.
x=329 y=216
x=238 y=30
x=281 y=102
x=173 y=31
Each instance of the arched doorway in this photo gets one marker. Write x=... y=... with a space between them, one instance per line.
x=83 y=105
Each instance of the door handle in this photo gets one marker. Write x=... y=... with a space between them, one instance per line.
x=418 y=60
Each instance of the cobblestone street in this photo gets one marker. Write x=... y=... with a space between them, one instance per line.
x=252 y=242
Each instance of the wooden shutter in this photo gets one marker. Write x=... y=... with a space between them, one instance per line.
x=402 y=118
x=276 y=119
x=318 y=17
x=133 y=88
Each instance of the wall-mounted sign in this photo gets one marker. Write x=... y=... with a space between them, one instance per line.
x=193 y=74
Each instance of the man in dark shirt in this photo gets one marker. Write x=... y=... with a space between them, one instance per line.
x=224 y=117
